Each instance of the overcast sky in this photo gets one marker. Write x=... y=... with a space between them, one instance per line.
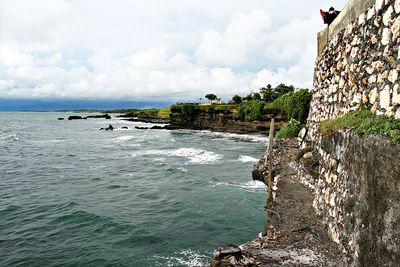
x=155 y=50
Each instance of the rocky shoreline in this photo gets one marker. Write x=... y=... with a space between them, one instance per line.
x=293 y=235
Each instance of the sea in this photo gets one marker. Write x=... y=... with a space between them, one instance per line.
x=73 y=195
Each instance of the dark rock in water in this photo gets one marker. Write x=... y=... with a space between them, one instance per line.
x=157 y=127
x=60 y=119
x=105 y=116
x=101 y=129
x=109 y=128
x=124 y=127
x=76 y=118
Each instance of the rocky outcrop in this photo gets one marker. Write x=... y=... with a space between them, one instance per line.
x=225 y=121
x=293 y=235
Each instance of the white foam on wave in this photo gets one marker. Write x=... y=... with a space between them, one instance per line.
x=250 y=186
x=182 y=169
x=194 y=155
x=125 y=138
x=245 y=159
x=241 y=137
x=8 y=137
x=185 y=257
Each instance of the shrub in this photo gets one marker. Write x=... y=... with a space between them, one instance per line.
x=164 y=113
x=290 y=130
x=296 y=104
x=364 y=122
x=251 y=110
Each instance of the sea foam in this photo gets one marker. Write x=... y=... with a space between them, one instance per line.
x=245 y=159
x=250 y=186
x=194 y=155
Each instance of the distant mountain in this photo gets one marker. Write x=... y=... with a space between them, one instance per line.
x=59 y=104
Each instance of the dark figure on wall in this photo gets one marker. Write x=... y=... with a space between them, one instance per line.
x=329 y=16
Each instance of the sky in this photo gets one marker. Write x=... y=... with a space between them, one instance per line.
x=155 y=50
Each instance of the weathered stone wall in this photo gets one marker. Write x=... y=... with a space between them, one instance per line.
x=357 y=182
x=360 y=66
x=357 y=195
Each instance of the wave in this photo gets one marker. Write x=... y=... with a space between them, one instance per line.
x=185 y=257
x=241 y=137
x=9 y=137
x=245 y=159
x=125 y=138
x=194 y=155
x=250 y=186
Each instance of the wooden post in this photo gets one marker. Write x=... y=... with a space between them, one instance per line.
x=270 y=165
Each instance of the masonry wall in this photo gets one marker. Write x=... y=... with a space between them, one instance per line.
x=357 y=180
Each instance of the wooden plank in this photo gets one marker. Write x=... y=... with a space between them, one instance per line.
x=270 y=166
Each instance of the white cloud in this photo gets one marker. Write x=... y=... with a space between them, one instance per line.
x=233 y=45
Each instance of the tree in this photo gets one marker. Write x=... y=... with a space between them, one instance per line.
x=237 y=99
x=270 y=96
x=284 y=89
x=256 y=96
x=211 y=97
x=249 y=97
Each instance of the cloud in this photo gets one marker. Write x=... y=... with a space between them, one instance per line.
x=232 y=47
x=153 y=50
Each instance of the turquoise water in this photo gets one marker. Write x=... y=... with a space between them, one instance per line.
x=73 y=195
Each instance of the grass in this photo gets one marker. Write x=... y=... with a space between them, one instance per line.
x=290 y=130
x=364 y=122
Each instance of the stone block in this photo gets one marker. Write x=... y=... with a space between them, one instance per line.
x=387 y=17
x=385 y=98
x=397 y=6
x=385 y=36
x=393 y=75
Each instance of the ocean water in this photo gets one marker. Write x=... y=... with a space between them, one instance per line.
x=73 y=195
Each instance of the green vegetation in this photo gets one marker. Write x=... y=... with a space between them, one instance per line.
x=295 y=104
x=164 y=113
x=237 y=99
x=211 y=97
x=290 y=130
x=364 y=122
x=251 y=110
x=153 y=113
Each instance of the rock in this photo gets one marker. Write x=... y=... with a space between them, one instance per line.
x=141 y=128
x=385 y=36
x=124 y=127
x=384 y=97
x=105 y=116
x=308 y=155
x=226 y=250
x=76 y=118
x=60 y=119
x=109 y=128
x=302 y=133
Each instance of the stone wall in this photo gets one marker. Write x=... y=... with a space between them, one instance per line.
x=357 y=195
x=360 y=67
x=357 y=180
